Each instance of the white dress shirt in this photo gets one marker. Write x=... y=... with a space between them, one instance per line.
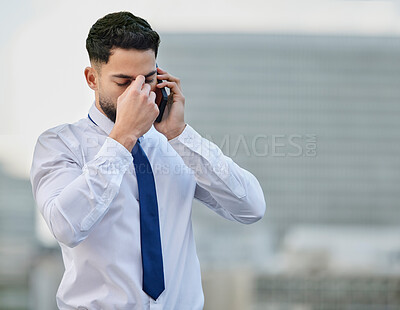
x=85 y=186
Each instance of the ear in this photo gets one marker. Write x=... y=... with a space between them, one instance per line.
x=91 y=76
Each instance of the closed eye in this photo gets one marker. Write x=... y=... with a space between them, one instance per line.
x=124 y=84
x=128 y=82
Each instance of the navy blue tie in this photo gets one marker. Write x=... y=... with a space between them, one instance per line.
x=152 y=261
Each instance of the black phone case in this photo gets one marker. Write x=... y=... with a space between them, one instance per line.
x=163 y=103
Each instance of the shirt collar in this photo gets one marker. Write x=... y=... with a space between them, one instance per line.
x=104 y=122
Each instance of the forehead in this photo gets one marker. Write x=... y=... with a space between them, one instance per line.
x=130 y=62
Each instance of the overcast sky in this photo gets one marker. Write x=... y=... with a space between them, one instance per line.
x=43 y=54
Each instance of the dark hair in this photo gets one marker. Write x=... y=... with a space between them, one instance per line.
x=121 y=29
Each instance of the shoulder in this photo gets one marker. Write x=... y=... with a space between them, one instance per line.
x=63 y=139
x=67 y=133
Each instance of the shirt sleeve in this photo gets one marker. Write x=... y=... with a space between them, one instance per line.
x=72 y=198
x=222 y=185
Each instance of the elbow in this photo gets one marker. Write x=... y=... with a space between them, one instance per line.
x=255 y=206
x=62 y=230
x=261 y=205
x=254 y=202
x=260 y=212
x=67 y=236
x=71 y=243
x=255 y=212
x=257 y=215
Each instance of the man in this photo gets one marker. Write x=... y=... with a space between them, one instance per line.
x=116 y=187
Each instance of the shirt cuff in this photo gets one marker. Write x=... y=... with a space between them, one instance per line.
x=113 y=149
x=112 y=159
x=189 y=137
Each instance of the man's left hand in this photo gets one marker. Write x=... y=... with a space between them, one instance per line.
x=173 y=121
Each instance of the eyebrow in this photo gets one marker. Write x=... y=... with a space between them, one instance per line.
x=124 y=76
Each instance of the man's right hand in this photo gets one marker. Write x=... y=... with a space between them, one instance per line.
x=136 y=112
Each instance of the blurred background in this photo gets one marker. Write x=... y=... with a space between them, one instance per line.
x=304 y=94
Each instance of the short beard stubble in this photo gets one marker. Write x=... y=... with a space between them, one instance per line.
x=108 y=108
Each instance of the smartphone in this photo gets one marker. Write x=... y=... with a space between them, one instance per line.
x=161 y=100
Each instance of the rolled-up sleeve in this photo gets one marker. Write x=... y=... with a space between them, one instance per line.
x=73 y=197
x=222 y=185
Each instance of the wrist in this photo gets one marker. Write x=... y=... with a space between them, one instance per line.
x=127 y=140
x=174 y=133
